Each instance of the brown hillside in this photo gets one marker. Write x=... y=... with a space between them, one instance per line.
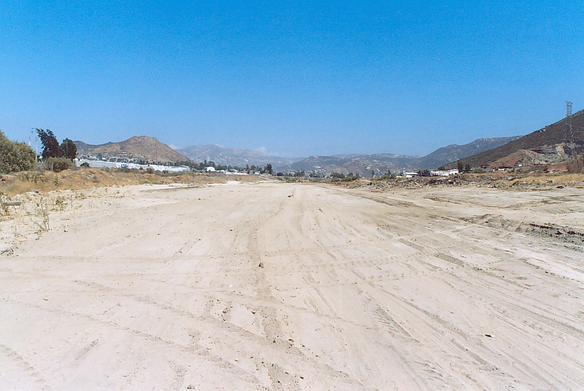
x=544 y=142
x=138 y=147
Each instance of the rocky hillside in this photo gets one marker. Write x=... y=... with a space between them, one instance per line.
x=552 y=144
x=139 y=147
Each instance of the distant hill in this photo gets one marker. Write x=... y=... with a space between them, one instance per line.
x=150 y=149
x=138 y=147
x=364 y=165
x=455 y=152
x=379 y=164
x=233 y=156
x=551 y=144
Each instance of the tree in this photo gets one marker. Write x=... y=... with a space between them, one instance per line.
x=576 y=164
x=460 y=166
x=51 y=146
x=467 y=167
x=69 y=149
x=15 y=156
x=269 y=169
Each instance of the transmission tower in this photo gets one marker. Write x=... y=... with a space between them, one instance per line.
x=571 y=140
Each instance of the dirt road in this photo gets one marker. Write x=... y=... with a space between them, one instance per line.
x=292 y=286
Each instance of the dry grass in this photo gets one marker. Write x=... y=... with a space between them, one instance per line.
x=46 y=181
x=501 y=180
x=542 y=180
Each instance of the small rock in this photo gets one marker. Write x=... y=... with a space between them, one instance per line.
x=8 y=251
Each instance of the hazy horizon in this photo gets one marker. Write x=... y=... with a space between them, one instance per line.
x=295 y=79
x=33 y=140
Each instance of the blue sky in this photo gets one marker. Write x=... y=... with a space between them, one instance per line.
x=293 y=77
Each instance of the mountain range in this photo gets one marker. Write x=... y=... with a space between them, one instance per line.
x=237 y=157
x=362 y=164
x=151 y=150
x=551 y=144
x=379 y=164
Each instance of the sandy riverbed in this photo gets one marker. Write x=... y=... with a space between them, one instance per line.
x=295 y=286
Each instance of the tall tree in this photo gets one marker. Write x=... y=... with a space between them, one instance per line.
x=460 y=166
x=51 y=146
x=69 y=149
x=269 y=168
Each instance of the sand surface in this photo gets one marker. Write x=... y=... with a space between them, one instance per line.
x=295 y=286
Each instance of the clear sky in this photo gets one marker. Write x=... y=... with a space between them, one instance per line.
x=293 y=77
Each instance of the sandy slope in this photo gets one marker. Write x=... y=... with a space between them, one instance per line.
x=291 y=286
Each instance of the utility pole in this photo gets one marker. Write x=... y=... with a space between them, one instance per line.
x=32 y=142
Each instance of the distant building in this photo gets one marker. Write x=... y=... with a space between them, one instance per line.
x=210 y=169
x=129 y=166
x=444 y=172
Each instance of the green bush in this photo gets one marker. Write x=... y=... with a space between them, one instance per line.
x=58 y=164
x=15 y=156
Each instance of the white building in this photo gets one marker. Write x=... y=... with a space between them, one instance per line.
x=130 y=166
x=210 y=169
x=444 y=172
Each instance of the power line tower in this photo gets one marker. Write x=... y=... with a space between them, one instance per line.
x=570 y=126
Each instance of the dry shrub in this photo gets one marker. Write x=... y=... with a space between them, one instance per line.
x=576 y=165
x=15 y=156
x=58 y=164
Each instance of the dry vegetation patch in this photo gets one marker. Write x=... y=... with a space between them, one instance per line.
x=44 y=181
x=500 y=180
